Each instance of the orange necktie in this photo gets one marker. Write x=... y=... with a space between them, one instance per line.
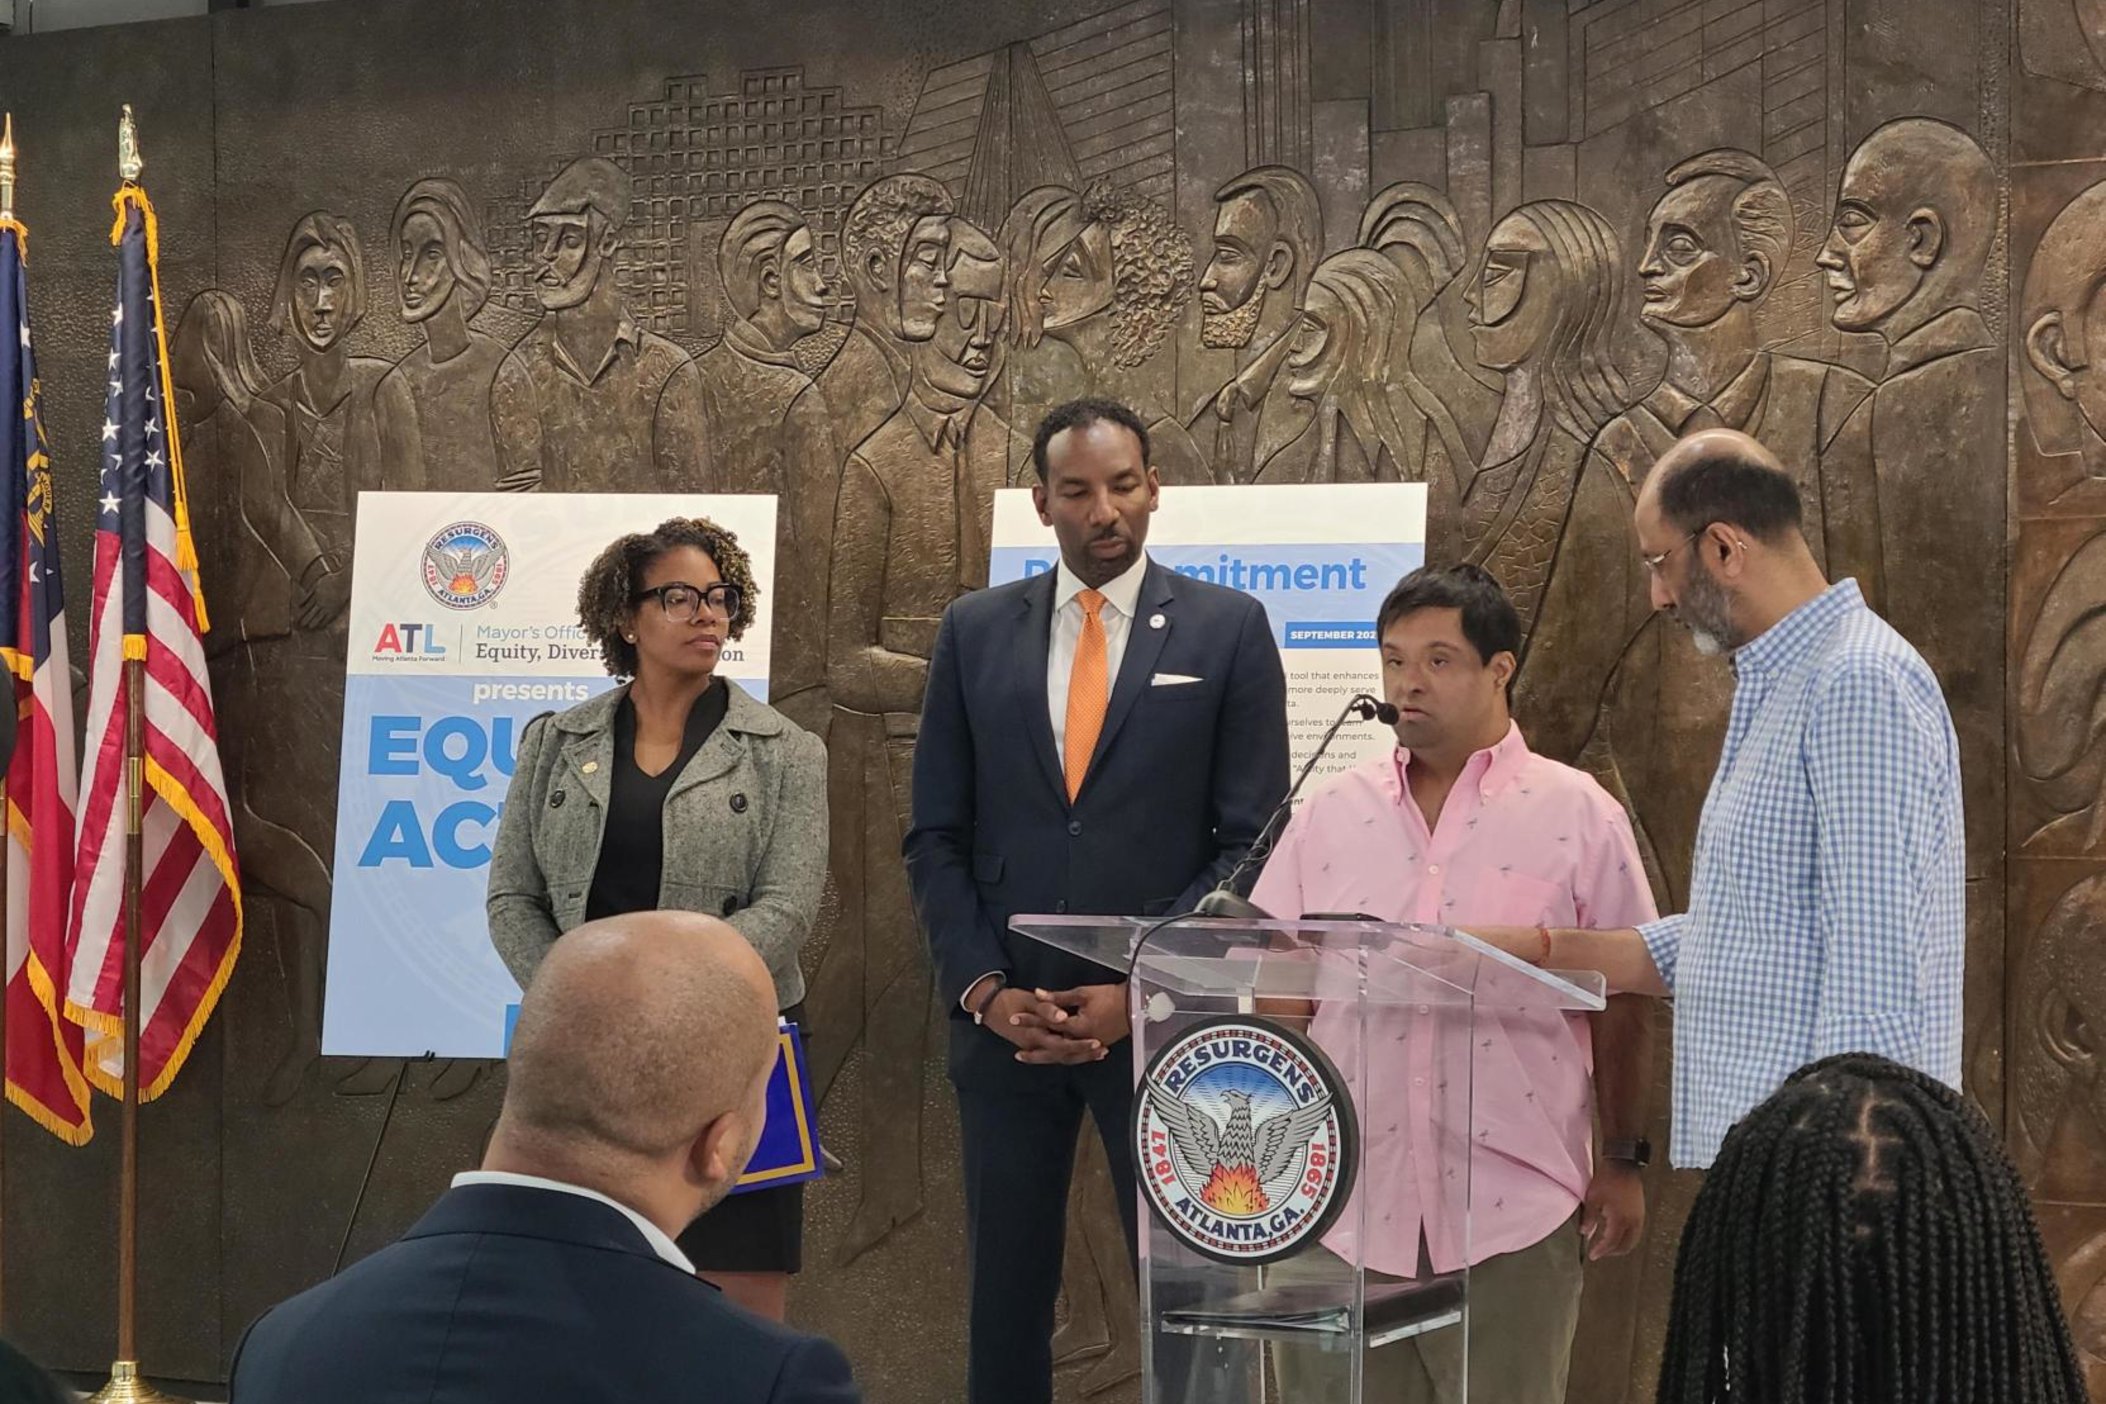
x=1089 y=693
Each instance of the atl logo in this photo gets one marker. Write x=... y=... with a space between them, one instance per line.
x=421 y=640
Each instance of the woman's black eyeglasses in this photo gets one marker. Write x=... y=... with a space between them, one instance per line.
x=683 y=603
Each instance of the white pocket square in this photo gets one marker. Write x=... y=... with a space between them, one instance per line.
x=1172 y=680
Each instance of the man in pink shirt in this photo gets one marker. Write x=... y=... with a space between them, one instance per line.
x=1464 y=823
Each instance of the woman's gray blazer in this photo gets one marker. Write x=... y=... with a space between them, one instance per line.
x=745 y=833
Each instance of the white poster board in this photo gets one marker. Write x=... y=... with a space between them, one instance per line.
x=463 y=627
x=1321 y=557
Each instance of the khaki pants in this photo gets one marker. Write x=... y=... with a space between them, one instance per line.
x=1524 y=1309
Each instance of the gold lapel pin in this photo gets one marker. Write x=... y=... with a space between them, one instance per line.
x=589 y=767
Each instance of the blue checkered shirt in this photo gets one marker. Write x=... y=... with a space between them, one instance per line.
x=1827 y=908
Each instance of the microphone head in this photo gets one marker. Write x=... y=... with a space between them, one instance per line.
x=1369 y=709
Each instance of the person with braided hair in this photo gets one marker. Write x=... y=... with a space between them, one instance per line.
x=1863 y=1239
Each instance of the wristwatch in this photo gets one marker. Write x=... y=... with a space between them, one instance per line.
x=1637 y=1152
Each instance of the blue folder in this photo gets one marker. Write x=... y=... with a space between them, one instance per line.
x=788 y=1150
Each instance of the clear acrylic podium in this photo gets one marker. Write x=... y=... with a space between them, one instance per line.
x=1268 y=1056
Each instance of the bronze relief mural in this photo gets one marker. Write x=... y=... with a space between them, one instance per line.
x=2057 y=835
x=1509 y=249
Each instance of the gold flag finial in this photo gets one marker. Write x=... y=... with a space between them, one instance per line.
x=7 y=169
x=129 y=161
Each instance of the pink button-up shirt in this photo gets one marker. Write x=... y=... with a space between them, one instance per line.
x=1522 y=841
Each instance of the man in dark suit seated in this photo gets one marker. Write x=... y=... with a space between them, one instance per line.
x=1107 y=738
x=638 y=1081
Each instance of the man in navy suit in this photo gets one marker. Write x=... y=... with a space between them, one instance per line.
x=638 y=1084
x=1105 y=739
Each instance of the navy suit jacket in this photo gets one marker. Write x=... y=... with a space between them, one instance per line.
x=1183 y=778
x=511 y=1292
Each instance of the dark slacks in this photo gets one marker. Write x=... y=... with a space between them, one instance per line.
x=1018 y=1139
x=1019 y=1152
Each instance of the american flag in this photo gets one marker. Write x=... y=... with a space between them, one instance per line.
x=44 y=1048
x=147 y=606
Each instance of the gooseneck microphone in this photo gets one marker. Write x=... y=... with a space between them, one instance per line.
x=1226 y=900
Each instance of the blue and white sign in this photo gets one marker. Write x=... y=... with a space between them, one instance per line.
x=463 y=628
x=1321 y=557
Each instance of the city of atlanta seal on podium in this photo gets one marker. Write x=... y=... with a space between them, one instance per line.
x=1245 y=1139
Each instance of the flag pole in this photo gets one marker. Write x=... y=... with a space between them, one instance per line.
x=126 y=1386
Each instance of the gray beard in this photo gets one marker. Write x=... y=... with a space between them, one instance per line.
x=1707 y=612
x=1233 y=329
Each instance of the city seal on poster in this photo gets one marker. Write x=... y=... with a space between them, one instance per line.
x=1246 y=1139
x=465 y=565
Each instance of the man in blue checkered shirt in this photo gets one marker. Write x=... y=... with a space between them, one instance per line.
x=1826 y=909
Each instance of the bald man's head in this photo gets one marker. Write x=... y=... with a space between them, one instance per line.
x=637 y=1034
x=1723 y=477
x=1718 y=526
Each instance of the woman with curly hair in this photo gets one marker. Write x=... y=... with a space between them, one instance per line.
x=676 y=790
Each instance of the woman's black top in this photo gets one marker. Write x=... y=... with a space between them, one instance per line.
x=632 y=843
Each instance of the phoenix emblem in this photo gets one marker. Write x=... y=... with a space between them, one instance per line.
x=1246 y=1139
x=1240 y=1157
x=465 y=565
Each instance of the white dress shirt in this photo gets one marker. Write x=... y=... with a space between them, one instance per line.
x=661 y=1245
x=1121 y=597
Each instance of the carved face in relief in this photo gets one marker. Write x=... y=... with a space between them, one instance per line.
x=2070 y=349
x=1232 y=290
x=1077 y=279
x=572 y=249
x=960 y=361
x=802 y=287
x=1357 y=307
x=924 y=277
x=2064 y=312
x=423 y=273
x=1514 y=297
x=1694 y=271
x=1914 y=220
x=321 y=294
x=2059 y=1090
x=1313 y=357
x=1883 y=241
x=1871 y=272
x=2073 y=1029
